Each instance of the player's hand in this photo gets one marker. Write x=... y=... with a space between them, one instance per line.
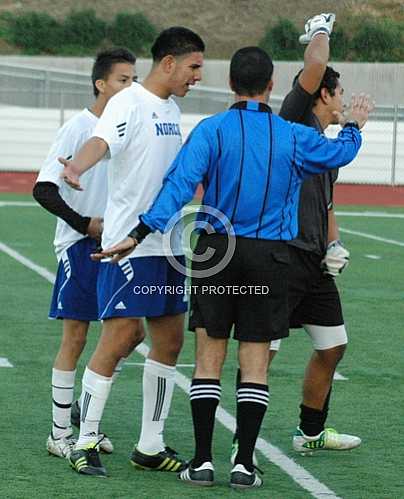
x=321 y=23
x=360 y=107
x=95 y=228
x=336 y=259
x=117 y=252
x=70 y=174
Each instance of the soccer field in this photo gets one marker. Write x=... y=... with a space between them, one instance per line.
x=367 y=398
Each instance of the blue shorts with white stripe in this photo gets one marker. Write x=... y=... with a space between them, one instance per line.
x=141 y=287
x=75 y=289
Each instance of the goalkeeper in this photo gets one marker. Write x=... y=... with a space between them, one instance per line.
x=317 y=256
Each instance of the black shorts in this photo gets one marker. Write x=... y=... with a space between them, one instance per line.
x=313 y=296
x=249 y=293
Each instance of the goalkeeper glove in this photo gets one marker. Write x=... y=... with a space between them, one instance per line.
x=321 y=23
x=336 y=259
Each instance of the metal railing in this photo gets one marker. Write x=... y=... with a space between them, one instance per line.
x=29 y=118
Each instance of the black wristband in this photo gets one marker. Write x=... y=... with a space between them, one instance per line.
x=352 y=123
x=140 y=232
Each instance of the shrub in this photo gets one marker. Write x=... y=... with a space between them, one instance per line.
x=35 y=32
x=133 y=31
x=340 y=45
x=378 y=41
x=83 y=30
x=281 y=41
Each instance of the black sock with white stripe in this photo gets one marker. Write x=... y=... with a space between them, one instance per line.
x=205 y=397
x=252 y=403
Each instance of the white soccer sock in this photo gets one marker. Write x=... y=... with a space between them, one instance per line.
x=62 y=398
x=158 y=387
x=118 y=368
x=95 y=394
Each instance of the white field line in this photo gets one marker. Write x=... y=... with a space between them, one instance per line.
x=369 y=214
x=272 y=453
x=371 y=236
x=4 y=362
x=24 y=204
x=42 y=271
x=301 y=476
x=373 y=257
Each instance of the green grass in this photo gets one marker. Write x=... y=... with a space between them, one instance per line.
x=368 y=404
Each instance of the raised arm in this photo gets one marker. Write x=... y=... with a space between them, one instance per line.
x=299 y=101
x=316 y=55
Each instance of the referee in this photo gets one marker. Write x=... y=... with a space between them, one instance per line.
x=251 y=164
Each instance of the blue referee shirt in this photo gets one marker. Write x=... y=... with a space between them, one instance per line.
x=251 y=164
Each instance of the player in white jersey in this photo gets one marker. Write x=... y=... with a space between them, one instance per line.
x=140 y=132
x=78 y=231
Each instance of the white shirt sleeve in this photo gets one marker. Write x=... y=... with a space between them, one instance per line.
x=117 y=124
x=69 y=140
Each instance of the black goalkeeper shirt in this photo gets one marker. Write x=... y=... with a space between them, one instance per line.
x=317 y=191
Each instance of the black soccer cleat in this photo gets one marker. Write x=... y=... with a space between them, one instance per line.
x=240 y=478
x=166 y=460
x=87 y=461
x=202 y=475
x=75 y=414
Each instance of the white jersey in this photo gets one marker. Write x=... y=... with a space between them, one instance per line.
x=92 y=200
x=143 y=135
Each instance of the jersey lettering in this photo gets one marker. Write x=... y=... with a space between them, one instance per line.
x=167 y=129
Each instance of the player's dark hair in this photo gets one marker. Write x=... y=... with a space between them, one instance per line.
x=176 y=41
x=329 y=81
x=104 y=62
x=251 y=70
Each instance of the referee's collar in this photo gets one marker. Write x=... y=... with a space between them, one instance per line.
x=252 y=105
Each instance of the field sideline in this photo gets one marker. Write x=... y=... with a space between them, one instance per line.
x=367 y=403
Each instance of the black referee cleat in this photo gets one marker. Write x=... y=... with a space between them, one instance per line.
x=202 y=475
x=87 y=461
x=166 y=460
x=240 y=478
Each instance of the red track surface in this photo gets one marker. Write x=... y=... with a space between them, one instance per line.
x=375 y=195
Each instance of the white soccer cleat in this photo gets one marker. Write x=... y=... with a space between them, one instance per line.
x=106 y=444
x=329 y=439
x=60 y=447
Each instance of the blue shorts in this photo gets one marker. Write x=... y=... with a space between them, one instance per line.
x=75 y=289
x=146 y=286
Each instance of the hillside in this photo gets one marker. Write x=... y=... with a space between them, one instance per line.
x=223 y=24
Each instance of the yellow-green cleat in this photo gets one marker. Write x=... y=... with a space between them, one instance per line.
x=87 y=461
x=166 y=460
x=328 y=439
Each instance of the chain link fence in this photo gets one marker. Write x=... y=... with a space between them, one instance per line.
x=34 y=103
